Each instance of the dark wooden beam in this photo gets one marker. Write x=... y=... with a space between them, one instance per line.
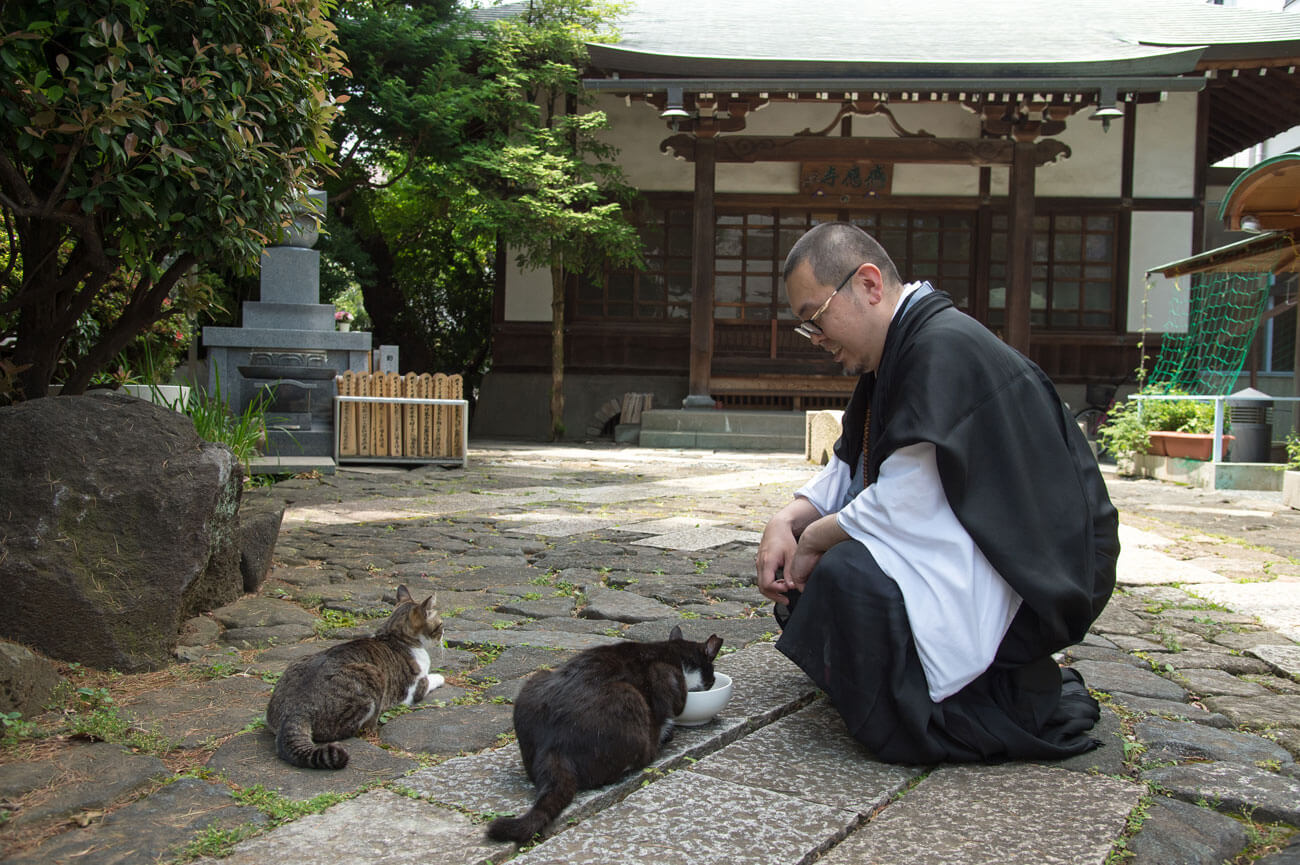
x=697 y=394
x=1020 y=247
x=804 y=148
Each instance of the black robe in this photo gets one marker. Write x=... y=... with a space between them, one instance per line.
x=1022 y=480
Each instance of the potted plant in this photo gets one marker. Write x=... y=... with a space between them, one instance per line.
x=1161 y=427
x=1291 y=475
x=1183 y=428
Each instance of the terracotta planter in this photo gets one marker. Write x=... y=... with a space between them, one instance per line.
x=1192 y=446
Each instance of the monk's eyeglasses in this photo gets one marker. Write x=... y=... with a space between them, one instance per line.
x=809 y=328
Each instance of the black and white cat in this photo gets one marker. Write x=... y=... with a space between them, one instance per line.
x=337 y=693
x=601 y=714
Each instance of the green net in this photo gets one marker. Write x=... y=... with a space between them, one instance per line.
x=1222 y=311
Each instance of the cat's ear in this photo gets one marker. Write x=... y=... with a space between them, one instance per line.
x=676 y=633
x=712 y=646
x=430 y=605
x=404 y=595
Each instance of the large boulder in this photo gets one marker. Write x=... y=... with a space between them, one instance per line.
x=119 y=523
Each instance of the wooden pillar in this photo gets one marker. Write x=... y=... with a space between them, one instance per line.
x=1020 y=247
x=698 y=395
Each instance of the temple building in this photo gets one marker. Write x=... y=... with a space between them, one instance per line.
x=1033 y=159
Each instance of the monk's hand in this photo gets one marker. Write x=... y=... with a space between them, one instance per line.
x=814 y=541
x=775 y=550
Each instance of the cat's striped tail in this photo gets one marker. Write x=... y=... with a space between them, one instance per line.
x=294 y=745
x=558 y=786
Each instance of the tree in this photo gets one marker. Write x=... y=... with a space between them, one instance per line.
x=138 y=141
x=551 y=188
x=442 y=267
x=412 y=101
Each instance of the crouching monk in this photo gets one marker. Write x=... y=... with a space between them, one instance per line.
x=959 y=536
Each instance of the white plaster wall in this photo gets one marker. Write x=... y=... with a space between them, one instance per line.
x=1157 y=238
x=936 y=180
x=782 y=118
x=771 y=177
x=1092 y=170
x=636 y=130
x=1164 y=157
x=528 y=292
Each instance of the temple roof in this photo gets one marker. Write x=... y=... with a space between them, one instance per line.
x=1244 y=59
x=938 y=37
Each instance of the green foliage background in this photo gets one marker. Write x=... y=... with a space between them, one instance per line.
x=141 y=140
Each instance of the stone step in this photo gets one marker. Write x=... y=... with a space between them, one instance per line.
x=720 y=441
x=777 y=423
x=774 y=431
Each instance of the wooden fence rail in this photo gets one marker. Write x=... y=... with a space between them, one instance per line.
x=387 y=416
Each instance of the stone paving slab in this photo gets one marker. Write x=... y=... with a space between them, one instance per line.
x=666 y=525
x=448 y=729
x=1217 y=682
x=838 y=772
x=1276 y=604
x=1173 y=741
x=1143 y=566
x=1172 y=709
x=765 y=684
x=623 y=606
x=85 y=778
x=1130 y=537
x=1193 y=659
x=1114 y=676
x=188 y=714
x=1180 y=832
x=699 y=539
x=692 y=819
x=377 y=828
x=523 y=495
x=1018 y=814
x=1273 y=710
x=1232 y=787
x=1284 y=659
x=250 y=759
x=147 y=829
x=561 y=528
x=547 y=639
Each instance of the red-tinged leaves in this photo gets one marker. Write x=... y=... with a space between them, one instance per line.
x=103 y=102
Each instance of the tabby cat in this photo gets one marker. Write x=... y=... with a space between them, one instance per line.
x=338 y=693
x=604 y=712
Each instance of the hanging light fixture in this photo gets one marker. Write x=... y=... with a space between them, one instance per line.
x=674 y=110
x=1107 y=110
x=1250 y=222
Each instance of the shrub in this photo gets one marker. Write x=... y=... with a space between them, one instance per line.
x=1126 y=432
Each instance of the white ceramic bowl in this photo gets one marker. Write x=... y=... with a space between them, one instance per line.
x=702 y=706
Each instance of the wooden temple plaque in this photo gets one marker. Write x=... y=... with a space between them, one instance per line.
x=845 y=181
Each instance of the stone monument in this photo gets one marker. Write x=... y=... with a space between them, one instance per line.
x=288 y=351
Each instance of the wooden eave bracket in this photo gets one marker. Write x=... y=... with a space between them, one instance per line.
x=805 y=148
